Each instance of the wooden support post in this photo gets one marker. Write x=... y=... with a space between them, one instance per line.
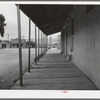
x=62 y=42
x=19 y=42
x=29 y=45
x=65 y=41
x=66 y=38
x=41 y=42
x=46 y=43
x=35 y=46
x=38 y=43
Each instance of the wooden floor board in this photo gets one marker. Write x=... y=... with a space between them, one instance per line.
x=54 y=72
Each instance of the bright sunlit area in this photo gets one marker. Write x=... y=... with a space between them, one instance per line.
x=55 y=40
x=9 y=70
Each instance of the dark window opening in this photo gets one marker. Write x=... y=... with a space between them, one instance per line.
x=72 y=48
x=72 y=44
x=89 y=8
x=17 y=45
x=72 y=27
x=3 y=45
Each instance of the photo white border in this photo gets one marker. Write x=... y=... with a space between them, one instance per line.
x=53 y=2
x=60 y=94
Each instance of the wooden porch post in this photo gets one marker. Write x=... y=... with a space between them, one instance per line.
x=35 y=46
x=46 y=43
x=19 y=42
x=65 y=42
x=41 y=42
x=38 y=43
x=29 y=45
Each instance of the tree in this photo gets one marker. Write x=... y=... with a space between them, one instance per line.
x=2 y=24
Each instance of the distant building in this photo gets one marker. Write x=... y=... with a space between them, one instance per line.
x=5 y=44
x=50 y=42
x=14 y=43
x=55 y=42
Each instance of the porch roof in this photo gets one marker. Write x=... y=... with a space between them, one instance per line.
x=49 y=18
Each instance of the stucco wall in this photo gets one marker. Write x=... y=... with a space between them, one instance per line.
x=86 y=55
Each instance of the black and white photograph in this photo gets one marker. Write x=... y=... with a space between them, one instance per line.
x=49 y=46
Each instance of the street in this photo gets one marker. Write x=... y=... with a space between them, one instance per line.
x=9 y=65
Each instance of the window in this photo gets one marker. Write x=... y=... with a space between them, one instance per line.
x=89 y=8
x=3 y=45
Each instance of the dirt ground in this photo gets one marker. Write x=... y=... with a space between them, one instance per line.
x=9 y=65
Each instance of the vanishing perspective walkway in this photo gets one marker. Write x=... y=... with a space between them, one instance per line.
x=54 y=72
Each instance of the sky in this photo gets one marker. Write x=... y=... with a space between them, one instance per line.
x=10 y=13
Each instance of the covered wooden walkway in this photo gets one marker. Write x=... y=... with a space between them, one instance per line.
x=54 y=72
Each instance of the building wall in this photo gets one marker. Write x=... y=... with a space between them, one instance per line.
x=7 y=44
x=15 y=43
x=86 y=41
x=69 y=39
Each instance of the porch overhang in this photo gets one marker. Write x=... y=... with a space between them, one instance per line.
x=49 y=18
